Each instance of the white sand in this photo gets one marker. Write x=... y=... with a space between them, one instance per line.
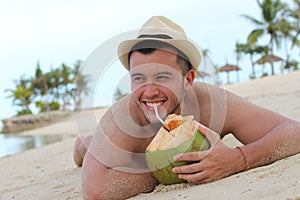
x=49 y=172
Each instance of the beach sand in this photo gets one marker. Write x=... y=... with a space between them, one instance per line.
x=49 y=172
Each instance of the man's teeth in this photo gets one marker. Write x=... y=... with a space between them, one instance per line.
x=154 y=104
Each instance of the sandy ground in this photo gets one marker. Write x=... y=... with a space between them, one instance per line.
x=49 y=172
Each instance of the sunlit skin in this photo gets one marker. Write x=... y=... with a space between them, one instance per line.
x=157 y=80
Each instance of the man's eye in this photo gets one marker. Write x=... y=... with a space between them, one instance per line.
x=161 y=78
x=138 y=78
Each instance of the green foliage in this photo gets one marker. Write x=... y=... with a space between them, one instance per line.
x=41 y=106
x=24 y=112
x=292 y=64
x=48 y=91
x=81 y=85
x=278 y=26
x=254 y=35
x=22 y=95
x=54 y=105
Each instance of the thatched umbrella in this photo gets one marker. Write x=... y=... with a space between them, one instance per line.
x=269 y=59
x=228 y=68
x=202 y=74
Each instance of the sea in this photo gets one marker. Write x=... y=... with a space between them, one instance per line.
x=13 y=143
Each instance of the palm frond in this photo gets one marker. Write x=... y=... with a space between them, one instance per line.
x=254 y=36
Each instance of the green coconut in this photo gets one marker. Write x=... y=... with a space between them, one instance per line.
x=183 y=137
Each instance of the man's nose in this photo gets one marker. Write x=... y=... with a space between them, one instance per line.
x=151 y=90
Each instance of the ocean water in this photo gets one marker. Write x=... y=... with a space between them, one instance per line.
x=13 y=143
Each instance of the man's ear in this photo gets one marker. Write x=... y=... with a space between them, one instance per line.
x=190 y=76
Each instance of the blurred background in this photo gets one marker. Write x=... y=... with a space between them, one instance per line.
x=49 y=49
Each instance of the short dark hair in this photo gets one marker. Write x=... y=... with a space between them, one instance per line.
x=149 y=46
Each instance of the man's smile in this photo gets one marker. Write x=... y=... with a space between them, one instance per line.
x=150 y=104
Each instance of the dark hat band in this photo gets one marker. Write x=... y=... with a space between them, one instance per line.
x=159 y=36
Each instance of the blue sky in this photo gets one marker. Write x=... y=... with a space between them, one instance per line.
x=60 y=31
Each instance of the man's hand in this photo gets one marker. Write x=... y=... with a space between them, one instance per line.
x=210 y=165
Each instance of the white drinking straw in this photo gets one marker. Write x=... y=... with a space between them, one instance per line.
x=157 y=115
x=162 y=121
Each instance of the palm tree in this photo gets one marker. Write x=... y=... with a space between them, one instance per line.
x=66 y=80
x=273 y=12
x=48 y=90
x=39 y=85
x=81 y=85
x=291 y=32
x=54 y=79
x=295 y=15
x=205 y=55
x=250 y=49
x=201 y=73
x=286 y=29
x=21 y=95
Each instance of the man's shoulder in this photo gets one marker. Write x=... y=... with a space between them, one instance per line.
x=123 y=120
x=202 y=88
x=199 y=84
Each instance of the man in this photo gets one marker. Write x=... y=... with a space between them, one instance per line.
x=162 y=64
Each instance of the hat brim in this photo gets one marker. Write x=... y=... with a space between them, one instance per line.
x=187 y=47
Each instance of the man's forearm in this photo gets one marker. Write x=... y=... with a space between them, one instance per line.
x=280 y=142
x=100 y=182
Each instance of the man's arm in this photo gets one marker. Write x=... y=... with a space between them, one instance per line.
x=100 y=182
x=267 y=136
x=280 y=141
x=112 y=168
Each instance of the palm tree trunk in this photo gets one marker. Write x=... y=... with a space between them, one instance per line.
x=228 y=81
x=252 y=65
x=272 y=68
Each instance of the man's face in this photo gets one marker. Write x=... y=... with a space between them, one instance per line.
x=156 y=79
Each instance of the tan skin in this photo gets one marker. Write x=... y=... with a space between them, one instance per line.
x=264 y=133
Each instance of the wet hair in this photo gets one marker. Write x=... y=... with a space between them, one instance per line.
x=149 y=46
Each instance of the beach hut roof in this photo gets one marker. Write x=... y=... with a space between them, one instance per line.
x=202 y=74
x=228 y=68
x=268 y=59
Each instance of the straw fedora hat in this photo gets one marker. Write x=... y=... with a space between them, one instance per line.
x=161 y=29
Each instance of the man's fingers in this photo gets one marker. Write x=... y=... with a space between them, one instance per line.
x=190 y=156
x=203 y=129
x=210 y=135
x=191 y=168
x=195 y=178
